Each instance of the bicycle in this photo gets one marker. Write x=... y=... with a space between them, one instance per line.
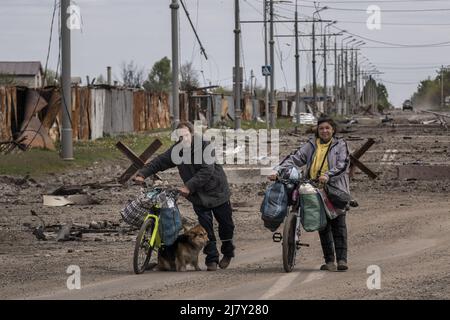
x=292 y=225
x=148 y=238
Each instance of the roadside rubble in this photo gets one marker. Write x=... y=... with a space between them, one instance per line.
x=75 y=231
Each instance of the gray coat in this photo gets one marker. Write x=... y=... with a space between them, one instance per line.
x=338 y=161
x=207 y=183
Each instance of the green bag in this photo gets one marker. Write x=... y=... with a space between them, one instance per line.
x=312 y=212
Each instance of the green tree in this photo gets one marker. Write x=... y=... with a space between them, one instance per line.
x=7 y=80
x=159 y=79
x=429 y=91
x=222 y=90
x=51 y=78
x=383 y=102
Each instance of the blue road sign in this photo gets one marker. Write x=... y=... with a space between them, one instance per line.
x=266 y=70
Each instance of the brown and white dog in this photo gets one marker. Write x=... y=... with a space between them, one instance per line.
x=183 y=251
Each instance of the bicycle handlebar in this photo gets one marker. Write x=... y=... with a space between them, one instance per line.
x=314 y=182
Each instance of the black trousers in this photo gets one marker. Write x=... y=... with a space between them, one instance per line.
x=334 y=239
x=223 y=215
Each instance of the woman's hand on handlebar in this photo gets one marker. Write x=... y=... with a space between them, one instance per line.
x=184 y=191
x=323 y=179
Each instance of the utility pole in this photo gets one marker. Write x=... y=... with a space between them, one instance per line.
x=442 y=86
x=66 y=134
x=237 y=68
x=356 y=80
x=351 y=97
x=266 y=79
x=174 y=6
x=252 y=76
x=297 y=70
x=252 y=88
x=346 y=82
x=336 y=76
x=314 y=67
x=341 y=90
x=272 y=66
x=325 y=71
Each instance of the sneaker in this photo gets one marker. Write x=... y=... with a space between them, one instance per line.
x=225 y=262
x=329 y=266
x=342 y=265
x=212 y=266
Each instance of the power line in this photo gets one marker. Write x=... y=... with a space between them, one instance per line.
x=408 y=68
x=375 y=1
x=382 y=10
x=395 y=82
x=202 y=49
x=400 y=24
x=393 y=44
x=278 y=52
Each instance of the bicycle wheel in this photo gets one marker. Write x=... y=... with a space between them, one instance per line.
x=289 y=245
x=142 y=249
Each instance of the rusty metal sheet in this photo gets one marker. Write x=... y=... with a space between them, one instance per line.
x=419 y=172
x=85 y=103
x=5 y=116
x=53 y=108
x=33 y=104
x=138 y=108
x=36 y=136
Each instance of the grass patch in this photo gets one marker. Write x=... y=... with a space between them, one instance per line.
x=38 y=162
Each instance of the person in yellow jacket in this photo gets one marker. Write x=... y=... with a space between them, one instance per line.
x=327 y=159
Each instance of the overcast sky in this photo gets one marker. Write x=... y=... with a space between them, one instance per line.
x=114 y=31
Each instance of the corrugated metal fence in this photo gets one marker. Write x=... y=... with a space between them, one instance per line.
x=103 y=110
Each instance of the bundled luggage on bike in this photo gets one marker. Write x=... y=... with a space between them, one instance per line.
x=313 y=215
x=278 y=198
x=159 y=202
x=156 y=213
x=274 y=207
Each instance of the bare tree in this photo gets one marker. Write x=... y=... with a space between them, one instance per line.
x=132 y=75
x=189 y=77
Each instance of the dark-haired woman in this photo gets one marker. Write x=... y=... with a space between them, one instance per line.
x=327 y=159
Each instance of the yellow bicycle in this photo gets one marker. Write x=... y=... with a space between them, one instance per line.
x=148 y=239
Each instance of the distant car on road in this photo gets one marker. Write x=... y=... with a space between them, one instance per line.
x=407 y=105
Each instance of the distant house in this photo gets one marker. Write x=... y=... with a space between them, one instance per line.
x=26 y=73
